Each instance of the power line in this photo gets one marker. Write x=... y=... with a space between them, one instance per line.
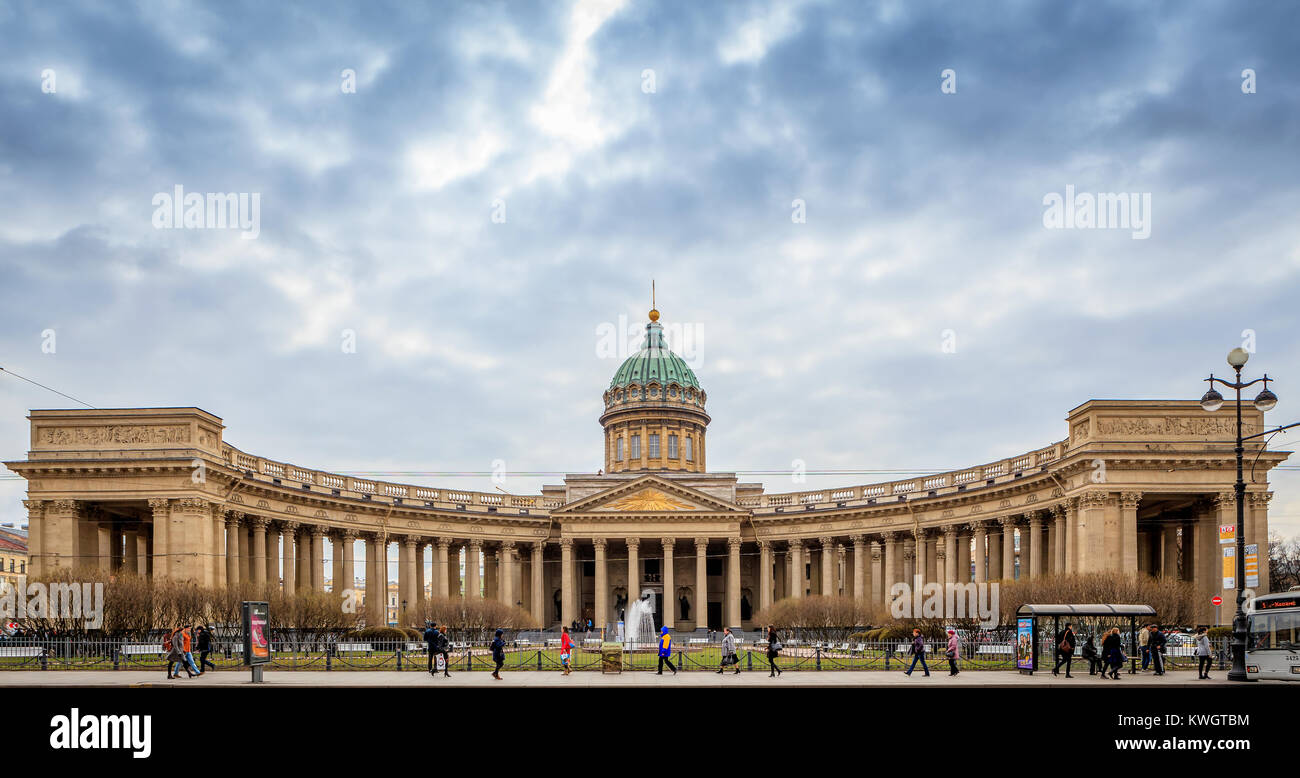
x=47 y=388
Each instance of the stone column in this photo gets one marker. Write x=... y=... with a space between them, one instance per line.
x=440 y=574
x=733 y=583
x=290 y=554
x=940 y=563
x=670 y=598
x=893 y=566
x=1049 y=549
x=130 y=562
x=141 y=551
x=994 y=542
x=454 y=586
x=408 y=590
x=538 y=587
x=1058 y=551
x=507 y=573
x=981 y=550
x=272 y=555
x=336 y=562
x=1035 y=544
x=1008 y=523
x=877 y=574
x=36 y=564
x=233 y=522
x=1128 y=504
x=217 y=514
x=861 y=564
x=258 y=564
x=909 y=558
x=1258 y=510
x=473 y=554
x=841 y=566
x=419 y=569
x=567 y=614
x=701 y=583
x=1072 y=535
x=796 y=568
x=602 y=584
x=161 y=516
x=633 y=570
x=828 y=561
x=950 y=554
x=316 y=562
x=764 y=575
x=376 y=580
x=491 y=576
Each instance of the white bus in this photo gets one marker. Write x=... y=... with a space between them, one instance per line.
x=1273 y=650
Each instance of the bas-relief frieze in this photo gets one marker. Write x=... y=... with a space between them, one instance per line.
x=114 y=435
x=1176 y=426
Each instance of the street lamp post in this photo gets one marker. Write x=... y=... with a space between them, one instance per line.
x=1264 y=401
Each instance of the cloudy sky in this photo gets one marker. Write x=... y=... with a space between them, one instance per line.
x=473 y=192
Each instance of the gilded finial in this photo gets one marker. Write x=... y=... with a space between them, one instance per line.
x=654 y=312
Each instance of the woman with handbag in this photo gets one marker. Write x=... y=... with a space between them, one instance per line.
x=1112 y=654
x=773 y=649
x=729 y=651
x=1065 y=642
x=953 y=653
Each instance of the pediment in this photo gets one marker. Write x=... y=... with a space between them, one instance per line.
x=650 y=494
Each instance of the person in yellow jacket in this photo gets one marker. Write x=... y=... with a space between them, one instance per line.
x=665 y=651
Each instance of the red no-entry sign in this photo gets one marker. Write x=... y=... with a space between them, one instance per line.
x=1217 y=600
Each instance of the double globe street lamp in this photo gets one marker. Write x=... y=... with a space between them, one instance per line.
x=1264 y=401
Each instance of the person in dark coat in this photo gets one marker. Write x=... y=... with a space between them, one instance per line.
x=1065 y=641
x=1112 y=653
x=1094 y=658
x=918 y=653
x=431 y=640
x=1156 y=644
x=772 y=652
x=444 y=648
x=205 y=648
x=498 y=654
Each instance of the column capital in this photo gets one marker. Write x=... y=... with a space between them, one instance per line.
x=668 y=544
x=508 y=547
x=950 y=530
x=539 y=547
x=477 y=543
x=701 y=544
x=634 y=543
x=156 y=503
x=889 y=536
x=1129 y=500
x=290 y=527
x=259 y=522
x=858 y=540
x=566 y=544
x=349 y=534
x=733 y=543
x=1035 y=518
x=825 y=540
x=1058 y=511
x=978 y=526
x=920 y=533
x=764 y=544
x=442 y=543
x=1094 y=499
x=795 y=544
x=317 y=530
x=1260 y=499
x=599 y=543
x=1009 y=522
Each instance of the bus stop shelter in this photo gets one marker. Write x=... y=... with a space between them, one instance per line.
x=1074 y=613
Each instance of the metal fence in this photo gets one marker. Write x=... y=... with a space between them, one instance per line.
x=539 y=654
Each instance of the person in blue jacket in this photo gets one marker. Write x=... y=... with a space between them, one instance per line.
x=498 y=654
x=665 y=651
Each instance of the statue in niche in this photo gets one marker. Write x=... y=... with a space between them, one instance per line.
x=686 y=608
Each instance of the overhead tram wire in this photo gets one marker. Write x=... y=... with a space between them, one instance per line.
x=47 y=388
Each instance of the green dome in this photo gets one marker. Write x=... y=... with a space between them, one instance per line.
x=654 y=362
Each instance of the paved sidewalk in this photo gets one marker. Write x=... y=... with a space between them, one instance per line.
x=589 y=679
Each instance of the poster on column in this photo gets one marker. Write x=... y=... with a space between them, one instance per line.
x=1227 y=534
x=1252 y=565
x=1229 y=567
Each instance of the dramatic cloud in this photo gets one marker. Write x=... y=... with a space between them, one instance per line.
x=493 y=182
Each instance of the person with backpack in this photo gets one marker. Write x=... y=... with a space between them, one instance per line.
x=665 y=651
x=498 y=654
x=566 y=649
x=431 y=641
x=918 y=654
x=205 y=648
x=773 y=650
x=729 y=651
x=444 y=648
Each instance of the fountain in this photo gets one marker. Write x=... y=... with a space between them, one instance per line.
x=640 y=622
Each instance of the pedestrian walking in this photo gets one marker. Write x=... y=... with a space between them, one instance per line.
x=665 y=651
x=1156 y=641
x=566 y=649
x=498 y=654
x=1203 y=654
x=187 y=647
x=172 y=644
x=1094 y=658
x=918 y=654
x=205 y=648
x=1065 y=642
x=729 y=651
x=953 y=653
x=1144 y=645
x=773 y=650
x=1112 y=653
